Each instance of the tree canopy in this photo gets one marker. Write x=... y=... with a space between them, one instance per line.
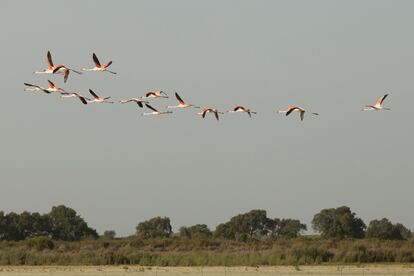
x=255 y=224
x=383 y=229
x=196 y=231
x=157 y=227
x=61 y=223
x=338 y=223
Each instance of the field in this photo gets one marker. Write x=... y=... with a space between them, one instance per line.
x=207 y=271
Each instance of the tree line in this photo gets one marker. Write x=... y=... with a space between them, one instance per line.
x=63 y=223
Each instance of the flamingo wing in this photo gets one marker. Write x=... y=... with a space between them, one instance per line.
x=49 y=61
x=380 y=100
x=96 y=60
x=31 y=85
x=51 y=84
x=180 y=100
x=108 y=64
x=302 y=115
x=290 y=110
x=216 y=114
x=93 y=94
x=66 y=75
x=58 y=68
x=150 y=107
x=83 y=100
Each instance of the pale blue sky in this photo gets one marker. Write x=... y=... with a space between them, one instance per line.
x=117 y=168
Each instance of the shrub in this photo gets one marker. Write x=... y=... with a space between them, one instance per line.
x=40 y=243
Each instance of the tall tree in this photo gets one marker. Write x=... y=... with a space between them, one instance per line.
x=157 y=227
x=384 y=230
x=338 y=223
x=288 y=228
x=69 y=226
x=244 y=226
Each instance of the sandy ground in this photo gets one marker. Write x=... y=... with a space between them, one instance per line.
x=207 y=271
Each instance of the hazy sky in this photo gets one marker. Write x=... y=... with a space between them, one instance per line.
x=117 y=168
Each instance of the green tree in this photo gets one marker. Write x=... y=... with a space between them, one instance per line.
x=404 y=231
x=224 y=231
x=338 y=223
x=32 y=224
x=195 y=231
x=288 y=228
x=384 y=230
x=67 y=225
x=21 y=226
x=244 y=226
x=157 y=227
x=11 y=221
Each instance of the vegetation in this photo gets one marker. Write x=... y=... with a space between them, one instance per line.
x=109 y=234
x=154 y=228
x=62 y=237
x=177 y=251
x=198 y=231
x=383 y=229
x=256 y=224
x=61 y=223
x=338 y=223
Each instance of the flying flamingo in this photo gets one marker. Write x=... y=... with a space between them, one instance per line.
x=97 y=99
x=154 y=111
x=156 y=94
x=296 y=109
x=377 y=106
x=134 y=100
x=62 y=69
x=98 y=66
x=50 y=66
x=181 y=104
x=210 y=110
x=51 y=88
x=242 y=109
x=75 y=94
x=52 y=69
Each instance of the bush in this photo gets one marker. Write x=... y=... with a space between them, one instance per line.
x=40 y=243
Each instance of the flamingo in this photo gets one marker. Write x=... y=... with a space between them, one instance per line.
x=135 y=100
x=210 y=110
x=51 y=88
x=97 y=99
x=181 y=104
x=75 y=94
x=242 y=109
x=50 y=66
x=156 y=94
x=62 y=69
x=154 y=111
x=377 y=106
x=98 y=66
x=296 y=109
x=52 y=69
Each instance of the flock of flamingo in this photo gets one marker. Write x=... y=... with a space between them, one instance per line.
x=144 y=100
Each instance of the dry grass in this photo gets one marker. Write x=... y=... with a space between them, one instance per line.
x=207 y=271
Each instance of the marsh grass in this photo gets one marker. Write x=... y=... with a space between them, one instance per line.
x=176 y=251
